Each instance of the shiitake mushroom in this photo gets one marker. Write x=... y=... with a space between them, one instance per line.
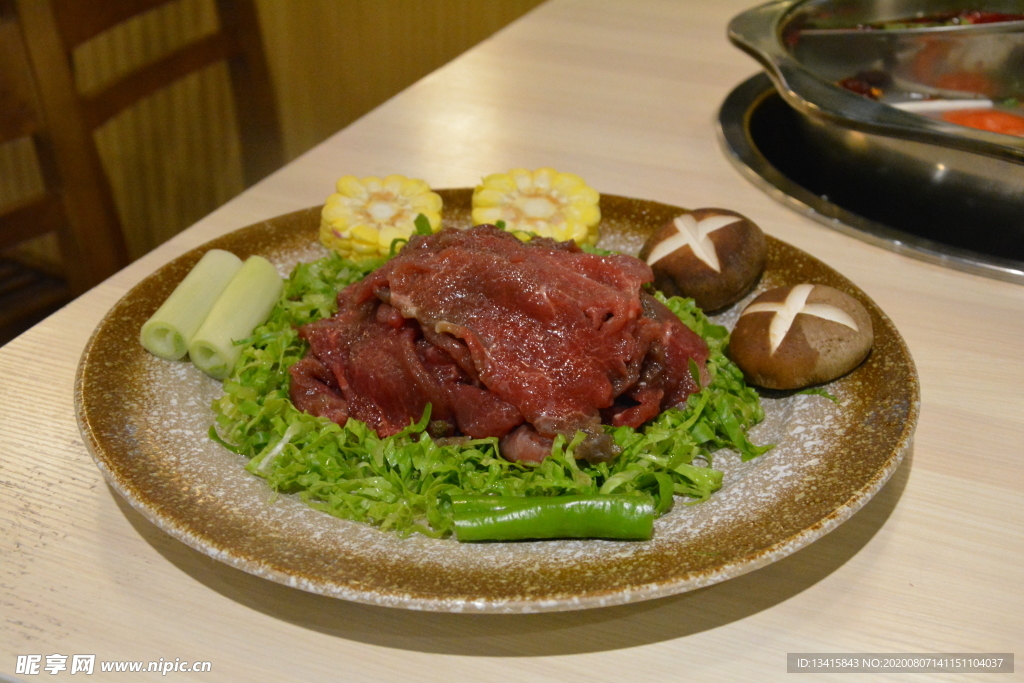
x=714 y=256
x=798 y=336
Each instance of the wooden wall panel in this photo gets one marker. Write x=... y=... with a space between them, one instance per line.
x=174 y=158
x=334 y=60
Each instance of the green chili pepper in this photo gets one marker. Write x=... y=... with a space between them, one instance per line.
x=510 y=518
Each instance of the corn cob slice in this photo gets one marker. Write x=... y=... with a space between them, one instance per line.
x=365 y=216
x=544 y=202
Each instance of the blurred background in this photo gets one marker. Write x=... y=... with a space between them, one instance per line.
x=176 y=154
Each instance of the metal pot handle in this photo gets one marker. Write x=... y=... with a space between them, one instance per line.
x=758 y=32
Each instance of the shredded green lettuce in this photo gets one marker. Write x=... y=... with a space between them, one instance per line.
x=405 y=482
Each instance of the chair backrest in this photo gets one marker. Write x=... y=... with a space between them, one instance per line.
x=39 y=100
x=236 y=41
x=76 y=202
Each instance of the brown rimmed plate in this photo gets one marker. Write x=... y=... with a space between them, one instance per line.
x=145 y=421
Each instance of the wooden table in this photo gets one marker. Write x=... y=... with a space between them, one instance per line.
x=626 y=95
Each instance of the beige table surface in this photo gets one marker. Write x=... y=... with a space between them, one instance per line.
x=625 y=94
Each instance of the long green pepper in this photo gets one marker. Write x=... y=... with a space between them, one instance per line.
x=512 y=518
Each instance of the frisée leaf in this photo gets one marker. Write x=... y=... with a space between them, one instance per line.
x=406 y=482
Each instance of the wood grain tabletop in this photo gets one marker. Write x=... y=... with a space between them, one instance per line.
x=625 y=95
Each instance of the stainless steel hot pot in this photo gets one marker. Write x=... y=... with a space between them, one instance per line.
x=864 y=136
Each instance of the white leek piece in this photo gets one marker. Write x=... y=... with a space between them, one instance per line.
x=245 y=303
x=168 y=332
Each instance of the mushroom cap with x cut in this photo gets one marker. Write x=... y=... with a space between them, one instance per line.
x=714 y=256
x=793 y=337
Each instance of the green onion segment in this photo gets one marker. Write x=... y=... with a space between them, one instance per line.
x=408 y=482
x=246 y=302
x=168 y=332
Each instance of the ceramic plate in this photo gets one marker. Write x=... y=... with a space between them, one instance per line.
x=145 y=422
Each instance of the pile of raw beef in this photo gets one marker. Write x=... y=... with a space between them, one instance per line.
x=517 y=340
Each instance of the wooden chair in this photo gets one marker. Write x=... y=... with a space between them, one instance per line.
x=39 y=100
